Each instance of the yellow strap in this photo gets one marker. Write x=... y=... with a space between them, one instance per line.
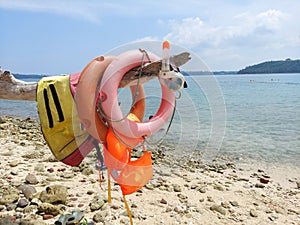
x=128 y=210
x=108 y=186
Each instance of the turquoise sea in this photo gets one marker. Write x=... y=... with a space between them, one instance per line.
x=253 y=117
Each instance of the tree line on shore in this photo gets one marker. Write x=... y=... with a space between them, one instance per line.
x=280 y=66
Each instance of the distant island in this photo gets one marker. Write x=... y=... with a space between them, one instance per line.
x=281 y=66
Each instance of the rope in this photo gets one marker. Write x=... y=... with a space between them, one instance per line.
x=100 y=109
x=108 y=186
x=168 y=128
x=128 y=210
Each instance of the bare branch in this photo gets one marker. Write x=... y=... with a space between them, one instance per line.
x=14 y=89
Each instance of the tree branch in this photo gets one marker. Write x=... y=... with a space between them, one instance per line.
x=14 y=89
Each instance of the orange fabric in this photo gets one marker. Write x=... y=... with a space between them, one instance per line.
x=130 y=175
x=117 y=153
x=136 y=174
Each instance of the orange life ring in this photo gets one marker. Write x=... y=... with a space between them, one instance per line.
x=112 y=76
x=86 y=94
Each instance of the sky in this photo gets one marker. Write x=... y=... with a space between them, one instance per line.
x=62 y=36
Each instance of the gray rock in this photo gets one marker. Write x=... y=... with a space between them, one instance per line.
x=280 y=210
x=149 y=186
x=30 y=209
x=27 y=190
x=218 y=208
x=210 y=199
x=8 y=220
x=14 y=163
x=67 y=175
x=218 y=187
x=179 y=209
x=176 y=187
x=253 y=213
x=11 y=207
x=225 y=205
x=35 y=222
x=22 y=203
x=202 y=190
x=49 y=209
x=258 y=185
x=31 y=179
x=8 y=195
x=39 y=168
x=14 y=172
x=234 y=203
x=97 y=203
x=99 y=217
x=181 y=196
x=54 y=194
x=87 y=171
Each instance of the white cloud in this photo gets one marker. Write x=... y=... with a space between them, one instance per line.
x=194 y=31
x=233 y=39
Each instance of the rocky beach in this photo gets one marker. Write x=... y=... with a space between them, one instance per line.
x=35 y=188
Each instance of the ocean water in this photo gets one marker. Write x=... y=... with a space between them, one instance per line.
x=255 y=117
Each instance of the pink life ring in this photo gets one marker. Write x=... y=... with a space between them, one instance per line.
x=86 y=95
x=109 y=97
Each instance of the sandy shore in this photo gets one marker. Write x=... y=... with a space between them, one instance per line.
x=182 y=191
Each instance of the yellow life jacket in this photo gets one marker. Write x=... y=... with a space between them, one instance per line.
x=60 y=124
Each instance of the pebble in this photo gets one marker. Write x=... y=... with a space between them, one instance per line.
x=47 y=216
x=179 y=209
x=14 y=172
x=176 y=187
x=218 y=187
x=50 y=170
x=264 y=180
x=202 y=190
x=225 y=205
x=280 y=210
x=149 y=186
x=163 y=201
x=218 y=208
x=54 y=194
x=258 y=185
x=67 y=175
x=181 y=196
x=87 y=171
x=27 y=190
x=11 y=207
x=14 y=163
x=97 y=203
x=98 y=217
x=210 y=199
x=39 y=168
x=9 y=195
x=253 y=213
x=90 y=192
x=22 y=203
x=48 y=208
x=31 y=179
x=234 y=203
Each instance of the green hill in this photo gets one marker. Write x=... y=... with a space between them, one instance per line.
x=281 y=66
